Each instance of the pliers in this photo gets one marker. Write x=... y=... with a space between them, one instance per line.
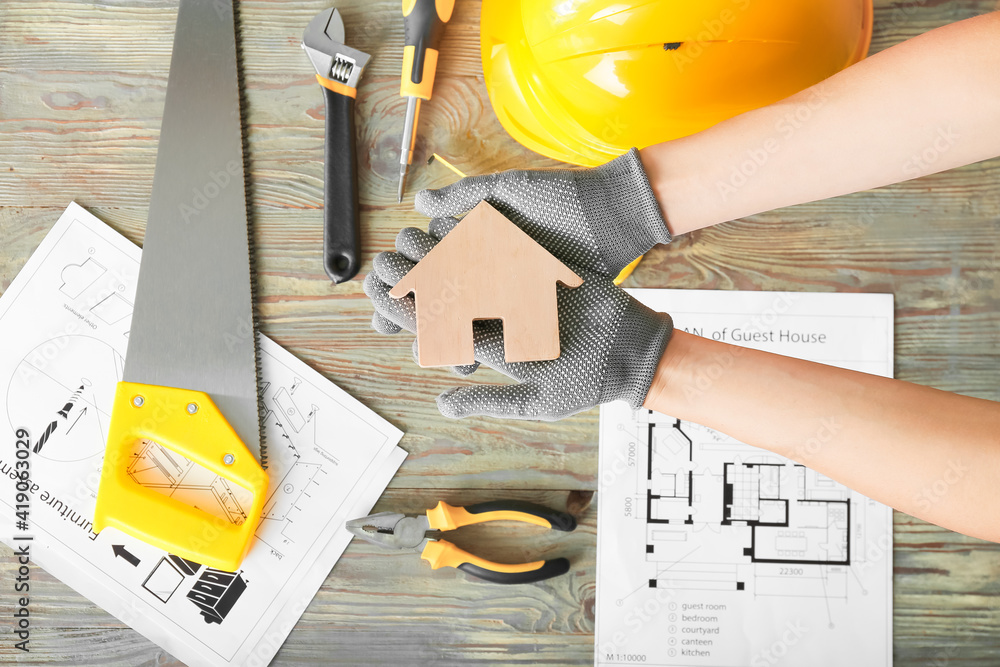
x=421 y=533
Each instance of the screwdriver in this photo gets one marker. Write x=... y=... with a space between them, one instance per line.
x=423 y=27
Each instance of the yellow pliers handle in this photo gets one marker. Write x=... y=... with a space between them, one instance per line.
x=441 y=553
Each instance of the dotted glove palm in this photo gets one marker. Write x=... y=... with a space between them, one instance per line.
x=610 y=343
x=600 y=219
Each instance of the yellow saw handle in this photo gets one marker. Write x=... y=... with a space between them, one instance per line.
x=188 y=423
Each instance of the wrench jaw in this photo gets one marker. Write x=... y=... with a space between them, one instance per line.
x=342 y=64
x=323 y=43
x=326 y=27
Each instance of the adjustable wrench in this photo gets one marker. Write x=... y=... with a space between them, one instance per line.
x=338 y=68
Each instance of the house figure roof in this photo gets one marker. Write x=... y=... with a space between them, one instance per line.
x=486 y=268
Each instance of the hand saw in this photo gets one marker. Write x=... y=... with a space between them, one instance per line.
x=190 y=377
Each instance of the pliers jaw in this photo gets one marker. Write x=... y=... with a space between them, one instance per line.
x=393 y=530
x=323 y=42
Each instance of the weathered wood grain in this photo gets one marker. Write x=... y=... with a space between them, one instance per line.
x=81 y=95
x=945 y=586
x=87 y=84
x=329 y=328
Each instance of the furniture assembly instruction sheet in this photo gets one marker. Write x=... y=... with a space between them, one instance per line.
x=64 y=324
x=714 y=553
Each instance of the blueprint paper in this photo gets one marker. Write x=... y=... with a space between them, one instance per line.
x=64 y=325
x=712 y=553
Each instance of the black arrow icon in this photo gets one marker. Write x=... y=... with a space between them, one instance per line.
x=121 y=551
x=78 y=415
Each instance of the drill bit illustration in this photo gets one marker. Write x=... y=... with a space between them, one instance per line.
x=51 y=428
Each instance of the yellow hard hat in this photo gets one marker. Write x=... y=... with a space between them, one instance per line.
x=582 y=81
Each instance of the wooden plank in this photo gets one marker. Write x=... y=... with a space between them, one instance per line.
x=119 y=36
x=934 y=265
x=944 y=590
x=112 y=162
x=81 y=95
x=329 y=327
x=89 y=100
x=107 y=32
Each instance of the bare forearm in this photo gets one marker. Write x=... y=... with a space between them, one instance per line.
x=929 y=104
x=929 y=453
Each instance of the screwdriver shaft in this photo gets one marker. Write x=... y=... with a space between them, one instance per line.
x=409 y=141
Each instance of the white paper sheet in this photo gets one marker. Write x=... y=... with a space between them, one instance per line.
x=712 y=553
x=64 y=324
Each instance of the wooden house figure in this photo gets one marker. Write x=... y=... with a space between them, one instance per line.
x=486 y=268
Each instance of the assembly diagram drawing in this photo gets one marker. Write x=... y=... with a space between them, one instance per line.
x=64 y=413
x=289 y=490
x=112 y=309
x=163 y=581
x=216 y=592
x=213 y=592
x=159 y=468
x=289 y=411
x=63 y=389
x=77 y=278
x=293 y=477
x=760 y=523
x=167 y=576
x=64 y=320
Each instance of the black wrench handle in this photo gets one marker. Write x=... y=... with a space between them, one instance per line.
x=341 y=233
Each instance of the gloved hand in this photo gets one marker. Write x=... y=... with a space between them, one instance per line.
x=599 y=219
x=610 y=343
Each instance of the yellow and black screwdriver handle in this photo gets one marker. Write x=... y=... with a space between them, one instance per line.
x=423 y=27
x=441 y=553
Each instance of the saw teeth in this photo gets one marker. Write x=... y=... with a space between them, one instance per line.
x=251 y=245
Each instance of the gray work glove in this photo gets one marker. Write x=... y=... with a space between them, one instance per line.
x=610 y=343
x=600 y=219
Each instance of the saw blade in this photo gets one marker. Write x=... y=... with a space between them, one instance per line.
x=193 y=325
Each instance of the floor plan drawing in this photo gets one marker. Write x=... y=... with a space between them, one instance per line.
x=708 y=548
x=764 y=509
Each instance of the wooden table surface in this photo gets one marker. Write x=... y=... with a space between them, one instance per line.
x=81 y=96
